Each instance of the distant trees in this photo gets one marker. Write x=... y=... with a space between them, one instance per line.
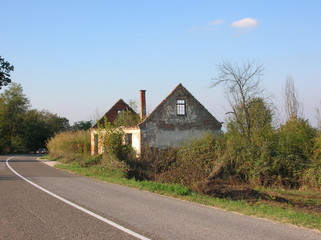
x=81 y=125
x=23 y=129
x=42 y=125
x=5 y=69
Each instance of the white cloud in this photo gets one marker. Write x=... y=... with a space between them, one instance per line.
x=217 y=22
x=245 y=23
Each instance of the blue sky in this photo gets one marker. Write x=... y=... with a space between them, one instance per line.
x=77 y=58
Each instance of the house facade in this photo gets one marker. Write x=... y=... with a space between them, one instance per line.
x=179 y=118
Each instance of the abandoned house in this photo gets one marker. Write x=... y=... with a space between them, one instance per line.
x=179 y=118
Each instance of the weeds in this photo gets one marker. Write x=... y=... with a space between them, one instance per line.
x=70 y=146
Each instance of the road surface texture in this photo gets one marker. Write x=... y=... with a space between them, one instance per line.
x=41 y=202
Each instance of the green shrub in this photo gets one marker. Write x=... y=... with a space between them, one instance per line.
x=294 y=152
x=312 y=175
x=311 y=178
x=295 y=137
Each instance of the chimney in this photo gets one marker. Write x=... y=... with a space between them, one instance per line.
x=142 y=113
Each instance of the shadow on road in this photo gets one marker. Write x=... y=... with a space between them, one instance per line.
x=10 y=178
x=14 y=160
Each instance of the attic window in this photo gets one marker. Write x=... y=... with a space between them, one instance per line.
x=181 y=107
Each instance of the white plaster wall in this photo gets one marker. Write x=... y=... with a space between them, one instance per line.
x=101 y=134
x=136 y=139
x=177 y=137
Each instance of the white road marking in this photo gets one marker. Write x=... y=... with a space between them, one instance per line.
x=126 y=230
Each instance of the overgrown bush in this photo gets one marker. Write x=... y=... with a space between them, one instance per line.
x=312 y=175
x=294 y=150
x=152 y=163
x=196 y=162
x=127 y=119
x=70 y=146
x=115 y=153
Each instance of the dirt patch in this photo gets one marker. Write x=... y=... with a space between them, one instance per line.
x=307 y=202
x=221 y=189
x=49 y=162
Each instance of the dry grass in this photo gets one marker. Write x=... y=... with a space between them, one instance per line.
x=69 y=146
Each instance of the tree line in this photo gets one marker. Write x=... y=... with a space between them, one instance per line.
x=23 y=129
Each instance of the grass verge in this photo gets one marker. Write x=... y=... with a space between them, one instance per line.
x=284 y=213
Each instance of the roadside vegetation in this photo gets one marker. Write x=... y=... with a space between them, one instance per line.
x=275 y=177
x=257 y=167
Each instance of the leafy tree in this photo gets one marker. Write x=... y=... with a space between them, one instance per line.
x=250 y=160
x=14 y=105
x=36 y=131
x=261 y=116
x=296 y=138
x=5 y=69
x=55 y=123
x=40 y=126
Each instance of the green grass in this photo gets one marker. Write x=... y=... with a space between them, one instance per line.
x=263 y=210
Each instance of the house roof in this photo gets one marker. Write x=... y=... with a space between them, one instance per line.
x=179 y=87
x=176 y=89
x=112 y=113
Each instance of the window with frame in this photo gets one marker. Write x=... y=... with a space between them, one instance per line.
x=181 y=107
x=128 y=139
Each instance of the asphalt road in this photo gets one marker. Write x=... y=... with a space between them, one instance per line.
x=58 y=205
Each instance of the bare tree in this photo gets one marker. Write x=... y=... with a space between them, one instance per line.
x=95 y=116
x=133 y=104
x=242 y=83
x=293 y=108
x=318 y=118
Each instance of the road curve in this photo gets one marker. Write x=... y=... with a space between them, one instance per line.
x=30 y=213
